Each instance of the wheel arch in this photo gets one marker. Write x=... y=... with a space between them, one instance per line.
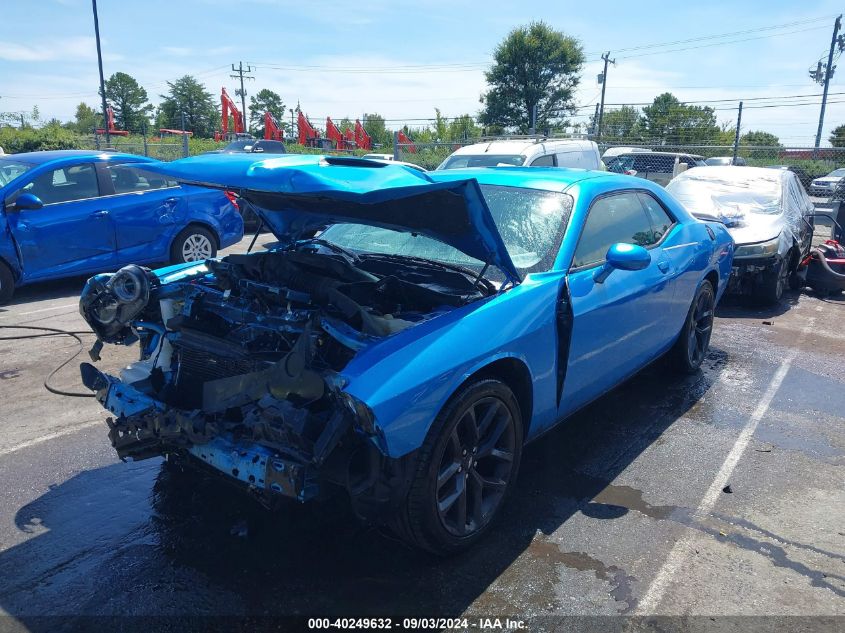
x=514 y=373
x=713 y=278
x=203 y=225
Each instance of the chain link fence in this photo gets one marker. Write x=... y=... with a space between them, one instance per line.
x=158 y=148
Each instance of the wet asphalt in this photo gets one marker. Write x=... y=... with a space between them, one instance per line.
x=619 y=511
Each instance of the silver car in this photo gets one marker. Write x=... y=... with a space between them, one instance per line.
x=826 y=186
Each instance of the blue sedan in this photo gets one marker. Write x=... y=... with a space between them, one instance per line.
x=410 y=333
x=75 y=212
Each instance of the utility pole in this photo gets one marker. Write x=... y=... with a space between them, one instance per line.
x=102 y=79
x=828 y=73
x=240 y=70
x=603 y=82
x=736 y=135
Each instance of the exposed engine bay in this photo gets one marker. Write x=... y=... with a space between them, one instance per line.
x=241 y=358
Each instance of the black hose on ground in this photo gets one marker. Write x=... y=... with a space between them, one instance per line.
x=51 y=331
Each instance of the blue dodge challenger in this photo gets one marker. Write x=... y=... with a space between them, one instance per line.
x=408 y=335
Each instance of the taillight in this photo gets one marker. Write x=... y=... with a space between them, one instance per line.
x=233 y=198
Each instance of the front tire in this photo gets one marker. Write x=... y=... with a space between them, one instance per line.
x=770 y=288
x=467 y=468
x=691 y=347
x=7 y=284
x=194 y=244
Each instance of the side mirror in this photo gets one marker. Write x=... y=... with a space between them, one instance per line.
x=624 y=257
x=27 y=201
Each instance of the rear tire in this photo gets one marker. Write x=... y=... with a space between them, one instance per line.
x=466 y=470
x=691 y=347
x=194 y=244
x=7 y=284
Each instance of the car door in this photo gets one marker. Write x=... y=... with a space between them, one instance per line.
x=72 y=233
x=800 y=210
x=145 y=208
x=619 y=325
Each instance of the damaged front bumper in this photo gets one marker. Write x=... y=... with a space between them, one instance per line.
x=143 y=427
x=748 y=273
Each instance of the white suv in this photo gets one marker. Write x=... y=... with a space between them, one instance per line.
x=527 y=152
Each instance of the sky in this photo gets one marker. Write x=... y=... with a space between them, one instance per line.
x=404 y=59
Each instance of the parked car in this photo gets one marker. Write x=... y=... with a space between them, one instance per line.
x=379 y=156
x=407 y=352
x=78 y=212
x=658 y=167
x=827 y=185
x=721 y=161
x=768 y=214
x=246 y=146
x=539 y=152
x=613 y=152
x=803 y=177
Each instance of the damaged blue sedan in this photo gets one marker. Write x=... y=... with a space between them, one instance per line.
x=409 y=333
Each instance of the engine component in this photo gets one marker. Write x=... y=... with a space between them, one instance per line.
x=109 y=302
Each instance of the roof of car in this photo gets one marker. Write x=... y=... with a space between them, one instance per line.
x=516 y=146
x=39 y=158
x=658 y=154
x=737 y=173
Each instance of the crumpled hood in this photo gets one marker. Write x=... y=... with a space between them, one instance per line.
x=298 y=194
x=756 y=227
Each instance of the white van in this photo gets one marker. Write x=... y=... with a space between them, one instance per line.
x=539 y=152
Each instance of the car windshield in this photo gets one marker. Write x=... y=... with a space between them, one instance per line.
x=726 y=197
x=11 y=169
x=239 y=146
x=460 y=161
x=530 y=221
x=837 y=173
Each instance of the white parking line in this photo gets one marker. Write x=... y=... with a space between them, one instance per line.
x=679 y=554
x=52 y=436
x=20 y=314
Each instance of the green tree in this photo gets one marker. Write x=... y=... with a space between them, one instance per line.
x=265 y=101
x=463 y=126
x=374 y=126
x=837 y=136
x=129 y=102
x=760 y=139
x=624 y=125
x=533 y=65
x=189 y=96
x=86 y=119
x=669 y=122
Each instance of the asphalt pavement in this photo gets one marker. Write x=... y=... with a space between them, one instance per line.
x=718 y=497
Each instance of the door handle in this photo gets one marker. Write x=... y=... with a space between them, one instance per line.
x=663 y=266
x=102 y=213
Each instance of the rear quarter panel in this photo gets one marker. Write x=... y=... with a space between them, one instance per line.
x=212 y=208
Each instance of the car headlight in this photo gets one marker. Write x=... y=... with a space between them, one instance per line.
x=760 y=249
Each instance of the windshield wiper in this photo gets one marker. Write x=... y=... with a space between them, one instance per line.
x=432 y=262
x=332 y=247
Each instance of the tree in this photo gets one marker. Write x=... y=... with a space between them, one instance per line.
x=265 y=101
x=620 y=126
x=667 y=121
x=378 y=132
x=533 y=65
x=129 y=102
x=87 y=119
x=463 y=126
x=760 y=139
x=189 y=96
x=837 y=136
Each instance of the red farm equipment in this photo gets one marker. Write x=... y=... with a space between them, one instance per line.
x=228 y=107
x=362 y=139
x=272 y=128
x=113 y=131
x=307 y=133
x=340 y=140
x=408 y=143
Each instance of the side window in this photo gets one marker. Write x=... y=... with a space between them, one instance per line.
x=661 y=222
x=544 y=161
x=612 y=219
x=132 y=179
x=65 y=184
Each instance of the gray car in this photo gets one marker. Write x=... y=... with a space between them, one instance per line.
x=658 y=167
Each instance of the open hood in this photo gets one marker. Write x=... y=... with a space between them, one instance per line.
x=298 y=194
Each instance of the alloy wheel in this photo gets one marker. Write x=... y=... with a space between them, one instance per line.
x=476 y=466
x=196 y=247
x=701 y=328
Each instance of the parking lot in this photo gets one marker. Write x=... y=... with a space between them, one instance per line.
x=720 y=494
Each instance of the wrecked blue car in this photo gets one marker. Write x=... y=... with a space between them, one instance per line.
x=77 y=212
x=409 y=333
